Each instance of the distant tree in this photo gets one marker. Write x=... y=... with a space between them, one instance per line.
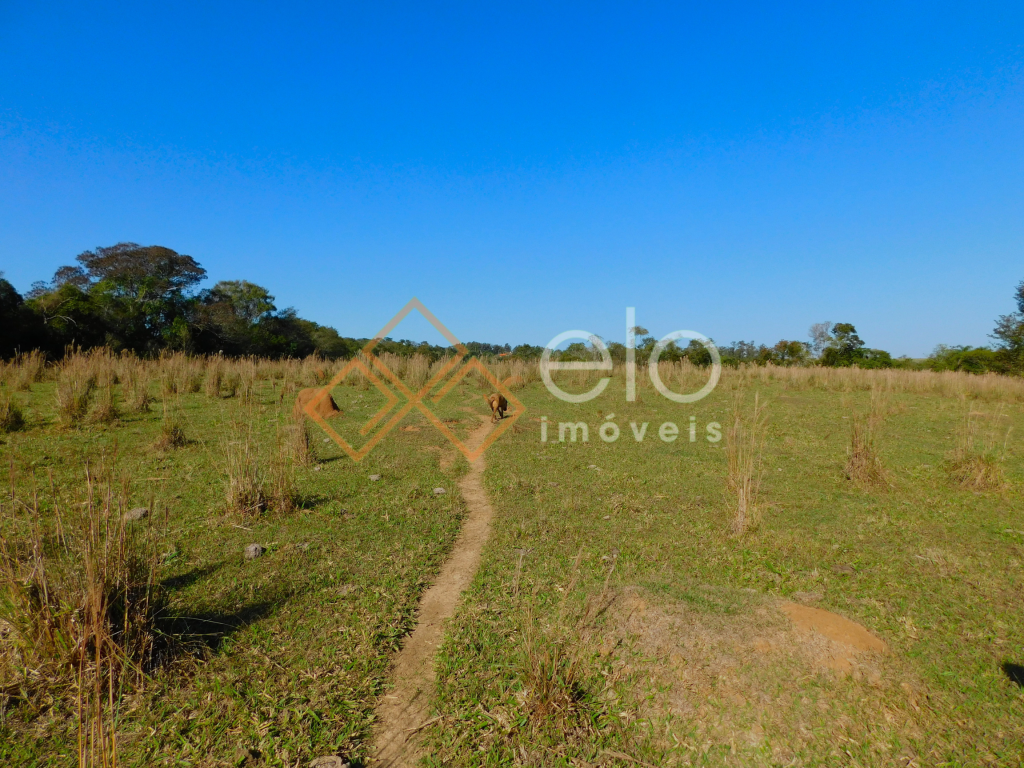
x=844 y=347
x=963 y=358
x=873 y=358
x=739 y=352
x=1009 y=335
x=140 y=292
x=248 y=301
x=820 y=338
x=792 y=352
x=20 y=328
x=527 y=351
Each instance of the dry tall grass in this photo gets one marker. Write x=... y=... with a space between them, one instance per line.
x=744 y=447
x=11 y=416
x=25 y=370
x=553 y=660
x=135 y=386
x=172 y=426
x=79 y=603
x=976 y=461
x=76 y=381
x=258 y=482
x=864 y=464
x=214 y=375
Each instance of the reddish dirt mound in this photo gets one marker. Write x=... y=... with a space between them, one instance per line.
x=833 y=626
x=326 y=408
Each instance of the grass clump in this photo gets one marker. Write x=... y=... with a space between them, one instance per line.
x=11 y=417
x=26 y=369
x=256 y=482
x=79 y=601
x=744 y=446
x=976 y=462
x=75 y=386
x=864 y=465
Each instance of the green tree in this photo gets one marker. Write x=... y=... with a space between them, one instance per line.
x=140 y=292
x=20 y=328
x=1009 y=335
x=843 y=347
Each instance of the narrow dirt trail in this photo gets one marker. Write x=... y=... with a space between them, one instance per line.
x=404 y=710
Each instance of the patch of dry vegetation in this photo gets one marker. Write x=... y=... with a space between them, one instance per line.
x=864 y=465
x=976 y=461
x=744 y=447
x=79 y=605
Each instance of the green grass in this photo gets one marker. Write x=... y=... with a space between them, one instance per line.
x=301 y=638
x=938 y=576
x=655 y=656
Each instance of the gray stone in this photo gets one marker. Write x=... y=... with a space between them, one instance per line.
x=139 y=513
x=375 y=478
x=253 y=551
x=329 y=761
x=439 y=491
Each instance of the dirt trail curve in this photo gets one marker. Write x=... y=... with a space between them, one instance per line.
x=404 y=710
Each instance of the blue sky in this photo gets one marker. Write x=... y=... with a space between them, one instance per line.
x=739 y=169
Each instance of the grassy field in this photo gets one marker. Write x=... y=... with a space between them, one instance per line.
x=617 y=612
x=295 y=644
x=618 y=617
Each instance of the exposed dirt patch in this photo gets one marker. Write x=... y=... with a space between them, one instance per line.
x=727 y=667
x=405 y=709
x=849 y=637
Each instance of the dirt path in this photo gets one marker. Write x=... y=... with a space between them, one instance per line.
x=404 y=710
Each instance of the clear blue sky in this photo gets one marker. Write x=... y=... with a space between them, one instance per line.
x=739 y=169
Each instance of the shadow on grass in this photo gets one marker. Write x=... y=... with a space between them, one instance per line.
x=189 y=578
x=1014 y=671
x=200 y=635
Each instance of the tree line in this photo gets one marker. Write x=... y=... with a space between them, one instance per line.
x=145 y=299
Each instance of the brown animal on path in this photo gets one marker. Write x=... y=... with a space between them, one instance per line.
x=498 y=405
x=325 y=409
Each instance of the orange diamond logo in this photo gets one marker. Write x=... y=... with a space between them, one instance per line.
x=366 y=362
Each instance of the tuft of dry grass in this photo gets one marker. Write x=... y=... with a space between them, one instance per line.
x=744 y=447
x=553 y=670
x=75 y=384
x=11 y=417
x=135 y=384
x=106 y=408
x=80 y=604
x=25 y=370
x=214 y=375
x=172 y=428
x=231 y=382
x=246 y=488
x=256 y=482
x=864 y=464
x=298 y=440
x=976 y=462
